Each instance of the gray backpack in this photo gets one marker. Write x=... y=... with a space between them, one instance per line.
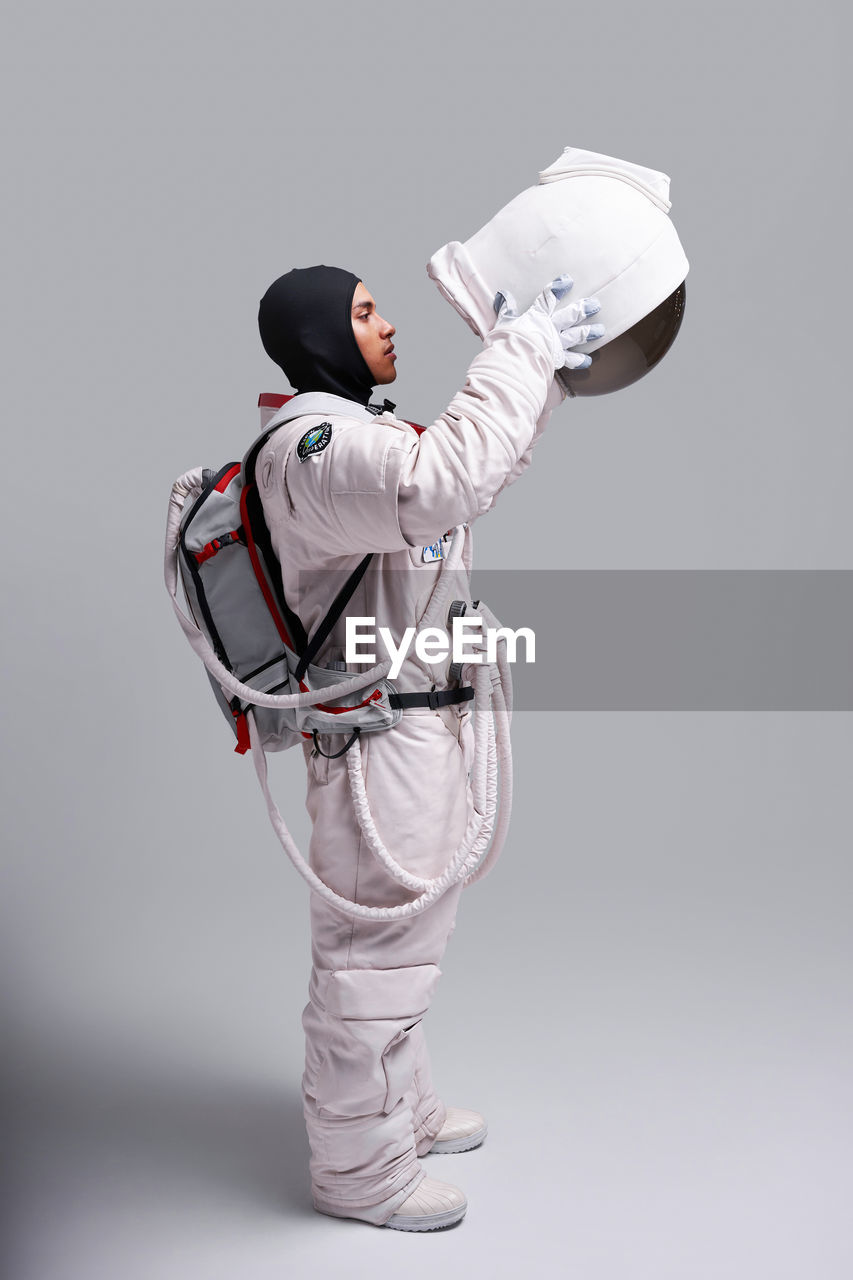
x=231 y=577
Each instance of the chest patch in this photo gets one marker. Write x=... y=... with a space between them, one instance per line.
x=314 y=441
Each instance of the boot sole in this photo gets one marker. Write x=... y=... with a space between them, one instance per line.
x=451 y=1146
x=426 y=1221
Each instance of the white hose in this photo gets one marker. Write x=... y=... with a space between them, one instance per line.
x=501 y=825
x=403 y=910
x=504 y=671
x=488 y=822
x=468 y=862
x=477 y=833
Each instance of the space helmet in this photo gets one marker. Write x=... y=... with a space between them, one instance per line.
x=606 y=223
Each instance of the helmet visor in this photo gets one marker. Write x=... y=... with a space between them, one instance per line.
x=630 y=356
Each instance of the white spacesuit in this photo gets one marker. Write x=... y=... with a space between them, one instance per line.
x=381 y=486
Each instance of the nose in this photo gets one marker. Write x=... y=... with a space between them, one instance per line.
x=387 y=330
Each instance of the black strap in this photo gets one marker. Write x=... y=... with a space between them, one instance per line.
x=432 y=699
x=269 y=559
x=339 y=603
x=263 y=541
x=307 y=648
x=335 y=754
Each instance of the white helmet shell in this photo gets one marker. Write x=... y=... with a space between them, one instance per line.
x=603 y=221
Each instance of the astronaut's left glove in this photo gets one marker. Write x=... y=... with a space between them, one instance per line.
x=562 y=324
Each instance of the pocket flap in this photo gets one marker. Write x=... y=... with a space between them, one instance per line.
x=381 y=993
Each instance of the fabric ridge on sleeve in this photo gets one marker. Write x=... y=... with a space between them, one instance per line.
x=481 y=441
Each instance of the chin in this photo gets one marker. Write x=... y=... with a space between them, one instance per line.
x=384 y=378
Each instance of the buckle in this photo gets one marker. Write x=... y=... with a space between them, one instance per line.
x=432 y=700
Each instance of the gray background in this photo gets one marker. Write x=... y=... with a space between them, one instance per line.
x=650 y=997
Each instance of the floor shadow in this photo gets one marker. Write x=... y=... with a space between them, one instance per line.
x=238 y=1138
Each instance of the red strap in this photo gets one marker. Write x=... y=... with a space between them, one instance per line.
x=271 y=400
x=339 y=711
x=243 y=742
x=259 y=573
x=228 y=477
x=210 y=548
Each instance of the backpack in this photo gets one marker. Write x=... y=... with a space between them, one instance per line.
x=232 y=583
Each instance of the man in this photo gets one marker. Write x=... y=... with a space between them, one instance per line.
x=337 y=483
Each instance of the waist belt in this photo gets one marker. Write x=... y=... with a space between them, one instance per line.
x=432 y=699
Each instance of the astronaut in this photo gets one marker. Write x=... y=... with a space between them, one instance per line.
x=343 y=479
x=335 y=486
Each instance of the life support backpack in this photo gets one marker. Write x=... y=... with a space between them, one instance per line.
x=233 y=586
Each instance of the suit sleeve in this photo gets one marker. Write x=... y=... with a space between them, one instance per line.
x=483 y=440
x=556 y=395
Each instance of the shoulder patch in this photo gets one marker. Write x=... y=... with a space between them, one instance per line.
x=314 y=441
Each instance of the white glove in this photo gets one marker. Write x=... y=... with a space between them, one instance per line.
x=565 y=330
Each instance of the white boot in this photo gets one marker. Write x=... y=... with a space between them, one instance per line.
x=431 y=1205
x=461 y=1131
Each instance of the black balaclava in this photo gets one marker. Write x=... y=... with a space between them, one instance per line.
x=305 y=319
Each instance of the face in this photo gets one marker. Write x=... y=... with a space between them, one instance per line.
x=373 y=335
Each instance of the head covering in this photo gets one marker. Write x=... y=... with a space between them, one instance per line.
x=305 y=319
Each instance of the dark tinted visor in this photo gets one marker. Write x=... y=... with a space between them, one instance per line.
x=630 y=356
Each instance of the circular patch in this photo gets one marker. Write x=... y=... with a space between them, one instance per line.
x=314 y=441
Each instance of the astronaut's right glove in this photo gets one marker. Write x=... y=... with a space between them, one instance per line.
x=560 y=324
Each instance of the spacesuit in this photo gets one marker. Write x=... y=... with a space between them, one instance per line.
x=336 y=485
x=382 y=486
